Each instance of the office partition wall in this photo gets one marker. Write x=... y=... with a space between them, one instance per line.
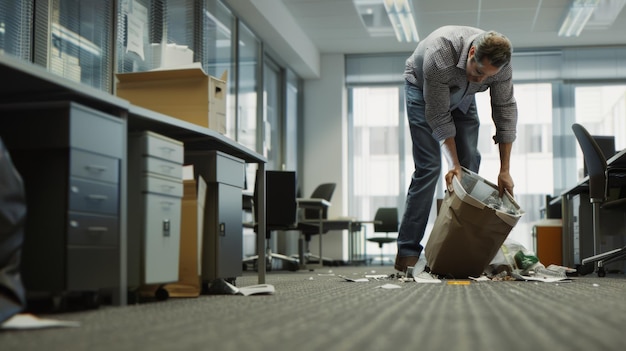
x=16 y=27
x=74 y=39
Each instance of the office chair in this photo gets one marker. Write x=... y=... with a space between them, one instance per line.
x=281 y=213
x=599 y=176
x=323 y=191
x=385 y=221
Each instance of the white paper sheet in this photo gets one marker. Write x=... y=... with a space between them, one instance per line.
x=29 y=321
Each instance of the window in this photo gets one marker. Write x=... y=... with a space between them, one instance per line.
x=374 y=148
x=531 y=157
x=78 y=42
x=601 y=109
x=272 y=116
x=249 y=58
x=218 y=52
x=16 y=27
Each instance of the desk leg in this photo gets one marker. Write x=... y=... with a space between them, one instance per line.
x=350 y=243
x=301 y=252
x=321 y=214
x=260 y=237
x=567 y=248
x=364 y=245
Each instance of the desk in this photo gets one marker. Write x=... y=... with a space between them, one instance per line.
x=353 y=226
x=29 y=83
x=573 y=241
x=197 y=138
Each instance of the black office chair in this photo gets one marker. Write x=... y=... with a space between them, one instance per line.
x=323 y=191
x=281 y=213
x=385 y=221
x=599 y=176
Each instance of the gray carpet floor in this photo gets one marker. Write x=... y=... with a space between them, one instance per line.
x=318 y=310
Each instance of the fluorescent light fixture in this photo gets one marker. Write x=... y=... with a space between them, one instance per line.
x=374 y=17
x=401 y=17
x=605 y=14
x=579 y=13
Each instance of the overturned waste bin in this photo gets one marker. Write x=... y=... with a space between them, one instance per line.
x=472 y=224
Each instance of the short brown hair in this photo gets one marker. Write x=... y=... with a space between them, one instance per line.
x=494 y=46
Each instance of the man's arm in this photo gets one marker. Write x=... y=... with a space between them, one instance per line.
x=448 y=146
x=505 y=181
x=504 y=114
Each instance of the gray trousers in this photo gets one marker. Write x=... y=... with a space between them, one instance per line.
x=427 y=160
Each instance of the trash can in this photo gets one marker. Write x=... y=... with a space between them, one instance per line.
x=472 y=224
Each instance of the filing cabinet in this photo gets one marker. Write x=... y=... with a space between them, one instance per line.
x=69 y=157
x=222 y=243
x=154 y=206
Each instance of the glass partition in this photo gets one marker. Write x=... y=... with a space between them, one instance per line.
x=218 y=51
x=156 y=34
x=16 y=28
x=77 y=40
x=249 y=57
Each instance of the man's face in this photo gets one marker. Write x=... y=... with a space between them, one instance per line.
x=479 y=71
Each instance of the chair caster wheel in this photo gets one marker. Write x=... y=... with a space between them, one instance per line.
x=161 y=294
x=601 y=272
x=585 y=269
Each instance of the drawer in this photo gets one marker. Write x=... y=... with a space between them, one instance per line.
x=156 y=145
x=163 y=167
x=61 y=125
x=94 y=197
x=94 y=131
x=217 y=167
x=93 y=230
x=94 y=166
x=92 y=268
x=163 y=186
x=161 y=238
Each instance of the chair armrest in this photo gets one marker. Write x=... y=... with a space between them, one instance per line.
x=312 y=203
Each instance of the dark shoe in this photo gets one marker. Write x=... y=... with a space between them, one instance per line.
x=403 y=262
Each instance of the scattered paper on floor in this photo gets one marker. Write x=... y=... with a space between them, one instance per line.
x=358 y=280
x=390 y=286
x=29 y=321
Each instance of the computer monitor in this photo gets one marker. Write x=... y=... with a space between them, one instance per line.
x=606 y=144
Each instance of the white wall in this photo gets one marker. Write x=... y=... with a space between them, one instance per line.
x=324 y=146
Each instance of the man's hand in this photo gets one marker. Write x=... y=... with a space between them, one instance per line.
x=456 y=171
x=449 y=151
x=505 y=182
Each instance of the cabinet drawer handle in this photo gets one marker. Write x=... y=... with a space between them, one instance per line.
x=167 y=188
x=167 y=150
x=95 y=168
x=166 y=168
x=97 y=229
x=98 y=197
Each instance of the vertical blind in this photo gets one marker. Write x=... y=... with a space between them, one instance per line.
x=16 y=28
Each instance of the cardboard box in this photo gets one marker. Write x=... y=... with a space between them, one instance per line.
x=185 y=93
x=190 y=262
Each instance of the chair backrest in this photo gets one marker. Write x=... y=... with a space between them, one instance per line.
x=595 y=161
x=388 y=217
x=281 y=208
x=323 y=191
